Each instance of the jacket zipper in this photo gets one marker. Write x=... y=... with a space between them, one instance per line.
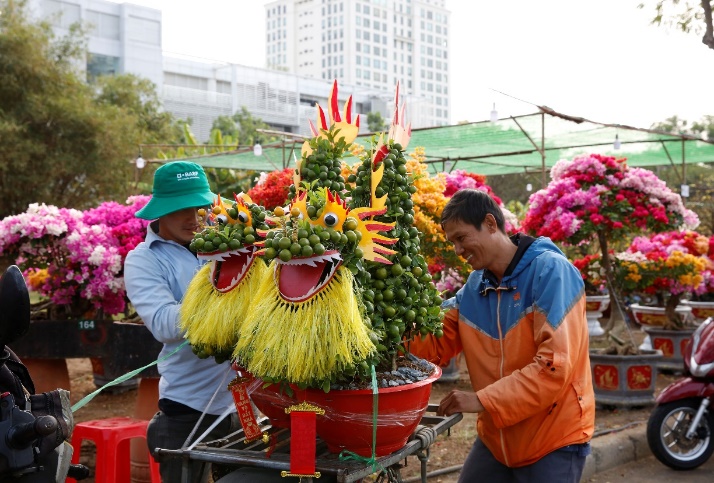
x=503 y=358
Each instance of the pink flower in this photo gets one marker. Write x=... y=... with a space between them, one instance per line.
x=83 y=252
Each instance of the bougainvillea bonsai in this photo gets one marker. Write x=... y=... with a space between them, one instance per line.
x=72 y=258
x=599 y=198
x=664 y=267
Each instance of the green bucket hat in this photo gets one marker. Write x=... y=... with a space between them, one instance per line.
x=177 y=185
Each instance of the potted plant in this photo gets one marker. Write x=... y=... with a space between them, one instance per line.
x=662 y=268
x=701 y=300
x=346 y=285
x=73 y=261
x=599 y=199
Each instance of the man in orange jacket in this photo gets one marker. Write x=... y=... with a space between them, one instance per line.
x=520 y=321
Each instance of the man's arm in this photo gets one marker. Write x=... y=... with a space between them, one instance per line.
x=149 y=292
x=439 y=350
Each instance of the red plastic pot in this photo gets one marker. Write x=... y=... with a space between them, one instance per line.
x=348 y=420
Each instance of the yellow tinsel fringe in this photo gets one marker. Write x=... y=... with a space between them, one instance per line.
x=304 y=342
x=211 y=318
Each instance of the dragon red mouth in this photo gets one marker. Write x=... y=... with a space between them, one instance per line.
x=229 y=268
x=302 y=278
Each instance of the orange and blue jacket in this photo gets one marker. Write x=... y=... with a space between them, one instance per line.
x=525 y=342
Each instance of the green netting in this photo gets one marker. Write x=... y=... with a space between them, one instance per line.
x=510 y=145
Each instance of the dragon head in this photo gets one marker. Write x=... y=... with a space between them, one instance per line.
x=228 y=240
x=314 y=237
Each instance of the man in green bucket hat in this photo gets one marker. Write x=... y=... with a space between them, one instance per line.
x=156 y=274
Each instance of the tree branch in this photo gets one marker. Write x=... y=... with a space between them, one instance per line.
x=708 y=38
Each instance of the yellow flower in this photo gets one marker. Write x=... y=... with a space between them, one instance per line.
x=36 y=278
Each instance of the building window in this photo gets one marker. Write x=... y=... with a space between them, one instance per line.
x=105 y=26
x=61 y=14
x=144 y=30
x=99 y=65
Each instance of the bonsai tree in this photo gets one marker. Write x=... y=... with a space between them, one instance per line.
x=595 y=198
x=73 y=259
x=664 y=267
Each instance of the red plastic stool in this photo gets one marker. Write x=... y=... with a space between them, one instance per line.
x=111 y=437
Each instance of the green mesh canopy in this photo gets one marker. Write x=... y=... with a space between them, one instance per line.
x=518 y=144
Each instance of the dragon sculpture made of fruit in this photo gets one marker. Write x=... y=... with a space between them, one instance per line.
x=346 y=284
x=218 y=298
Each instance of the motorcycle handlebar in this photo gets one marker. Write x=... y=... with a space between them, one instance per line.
x=22 y=435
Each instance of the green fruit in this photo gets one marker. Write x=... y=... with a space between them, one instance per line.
x=389 y=311
x=319 y=249
x=381 y=273
x=358 y=252
x=284 y=243
x=208 y=247
x=417 y=271
x=350 y=224
x=306 y=251
x=285 y=255
x=198 y=242
x=388 y=295
x=234 y=244
x=405 y=261
x=270 y=253
x=396 y=270
x=295 y=248
x=314 y=239
x=249 y=239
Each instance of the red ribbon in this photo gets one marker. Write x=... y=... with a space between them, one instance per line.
x=239 y=390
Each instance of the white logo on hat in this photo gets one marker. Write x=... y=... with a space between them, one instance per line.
x=187 y=175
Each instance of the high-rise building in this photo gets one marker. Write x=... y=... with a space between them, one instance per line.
x=369 y=43
x=125 y=38
x=122 y=38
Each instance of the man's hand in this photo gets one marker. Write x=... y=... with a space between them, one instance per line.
x=459 y=402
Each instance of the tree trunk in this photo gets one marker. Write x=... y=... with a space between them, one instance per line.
x=616 y=316
x=708 y=38
x=674 y=322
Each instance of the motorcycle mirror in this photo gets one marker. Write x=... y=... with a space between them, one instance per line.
x=14 y=306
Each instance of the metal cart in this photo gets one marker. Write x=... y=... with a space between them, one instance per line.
x=234 y=451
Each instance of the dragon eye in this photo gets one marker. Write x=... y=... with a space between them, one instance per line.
x=222 y=218
x=242 y=217
x=330 y=219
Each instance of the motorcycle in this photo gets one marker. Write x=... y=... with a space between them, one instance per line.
x=34 y=428
x=680 y=430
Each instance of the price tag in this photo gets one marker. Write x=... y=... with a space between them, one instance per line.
x=87 y=325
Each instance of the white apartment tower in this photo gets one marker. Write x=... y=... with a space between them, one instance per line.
x=370 y=43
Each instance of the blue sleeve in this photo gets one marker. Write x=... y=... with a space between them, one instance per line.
x=148 y=290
